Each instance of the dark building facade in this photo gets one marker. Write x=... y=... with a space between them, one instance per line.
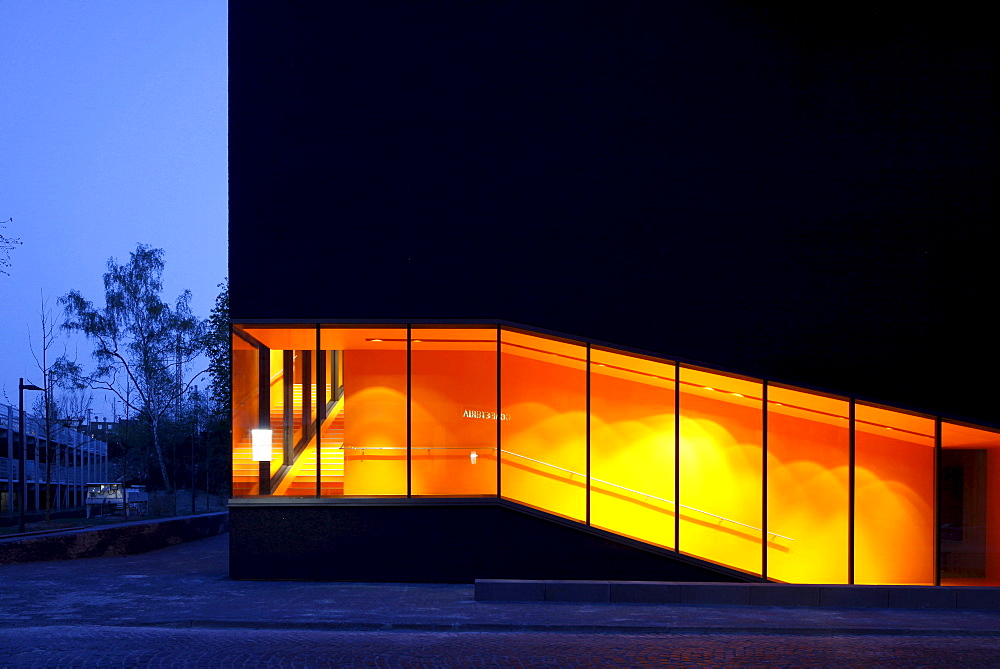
x=806 y=201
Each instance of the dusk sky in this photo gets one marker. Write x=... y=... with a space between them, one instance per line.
x=113 y=131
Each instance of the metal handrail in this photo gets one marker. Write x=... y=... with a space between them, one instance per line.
x=571 y=473
x=646 y=495
x=377 y=448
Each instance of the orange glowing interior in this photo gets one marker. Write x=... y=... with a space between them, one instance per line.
x=594 y=435
x=808 y=455
x=544 y=451
x=245 y=398
x=894 y=497
x=721 y=469
x=374 y=424
x=632 y=447
x=453 y=403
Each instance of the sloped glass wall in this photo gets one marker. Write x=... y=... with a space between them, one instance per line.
x=772 y=480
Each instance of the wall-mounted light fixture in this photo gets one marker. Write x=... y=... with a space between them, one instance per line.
x=261 y=445
x=473 y=457
x=260 y=441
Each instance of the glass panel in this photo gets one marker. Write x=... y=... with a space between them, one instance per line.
x=297 y=390
x=894 y=497
x=970 y=527
x=721 y=481
x=453 y=390
x=290 y=391
x=808 y=457
x=543 y=424
x=246 y=410
x=363 y=449
x=632 y=447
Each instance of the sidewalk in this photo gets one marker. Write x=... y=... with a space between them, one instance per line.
x=188 y=586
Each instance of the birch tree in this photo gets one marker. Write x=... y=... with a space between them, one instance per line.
x=142 y=345
x=217 y=349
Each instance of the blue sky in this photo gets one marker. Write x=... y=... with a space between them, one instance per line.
x=113 y=131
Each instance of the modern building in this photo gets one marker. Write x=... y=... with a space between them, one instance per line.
x=77 y=459
x=478 y=251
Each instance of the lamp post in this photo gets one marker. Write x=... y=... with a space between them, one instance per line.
x=82 y=450
x=197 y=416
x=23 y=494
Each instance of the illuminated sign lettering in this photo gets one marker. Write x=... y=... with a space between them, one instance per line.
x=485 y=415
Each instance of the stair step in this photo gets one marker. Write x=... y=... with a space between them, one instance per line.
x=331 y=463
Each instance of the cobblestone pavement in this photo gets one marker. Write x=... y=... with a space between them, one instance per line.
x=188 y=585
x=176 y=607
x=80 y=646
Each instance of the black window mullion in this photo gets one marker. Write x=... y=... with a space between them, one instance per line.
x=320 y=410
x=409 y=412
x=499 y=417
x=938 y=429
x=588 y=434
x=852 y=461
x=763 y=484
x=677 y=457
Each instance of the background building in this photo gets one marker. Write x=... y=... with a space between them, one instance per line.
x=77 y=459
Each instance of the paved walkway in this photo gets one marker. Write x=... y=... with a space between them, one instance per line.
x=188 y=586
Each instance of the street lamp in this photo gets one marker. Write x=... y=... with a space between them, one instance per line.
x=21 y=387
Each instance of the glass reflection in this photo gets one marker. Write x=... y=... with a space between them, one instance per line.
x=365 y=436
x=808 y=456
x=721 y=480
x=543 y=426
x=632 y=446
x=453 y=402
x=246 y=414
x=894 y=497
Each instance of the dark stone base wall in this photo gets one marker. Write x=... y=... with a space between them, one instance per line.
x=436 y=543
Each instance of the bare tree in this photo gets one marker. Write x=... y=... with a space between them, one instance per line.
x=55 y=410
x=140 y=342
x=7 y=244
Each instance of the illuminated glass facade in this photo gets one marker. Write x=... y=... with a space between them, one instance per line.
x=777 y=482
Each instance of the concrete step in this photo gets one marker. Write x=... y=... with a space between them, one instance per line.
x=740 y=594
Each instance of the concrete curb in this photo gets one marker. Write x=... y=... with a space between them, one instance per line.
x=740 y=594
x=112 y=540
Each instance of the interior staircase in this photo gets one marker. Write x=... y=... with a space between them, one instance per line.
x=245 y=469
x=300 y=481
